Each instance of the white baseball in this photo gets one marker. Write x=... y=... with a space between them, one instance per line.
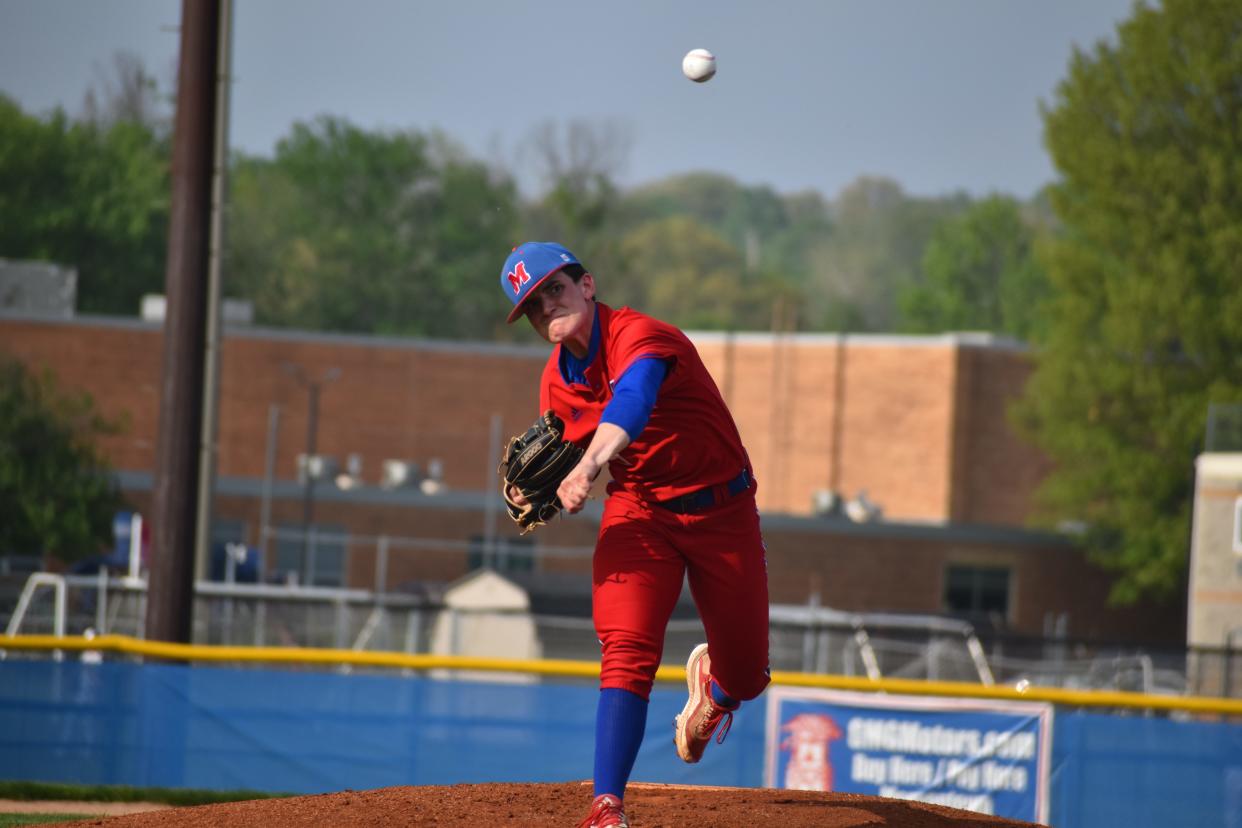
x=699 y=65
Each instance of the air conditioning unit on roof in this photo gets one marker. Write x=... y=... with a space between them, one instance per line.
x=398 y=474
x=319 y=467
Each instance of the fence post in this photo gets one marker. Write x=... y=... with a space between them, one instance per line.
x=1227 y=679
x=101 y=602
x=381 y=566
x=342 y=624
x=491 y=502
x=413 y=627
x=269 y=475
x=260 y=622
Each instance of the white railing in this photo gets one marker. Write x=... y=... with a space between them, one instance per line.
x=36 y=580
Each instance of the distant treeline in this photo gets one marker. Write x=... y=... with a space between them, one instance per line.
x=346 y=229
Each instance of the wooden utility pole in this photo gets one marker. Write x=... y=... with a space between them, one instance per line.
x=170 y=601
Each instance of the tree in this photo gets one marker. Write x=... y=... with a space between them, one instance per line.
x=577 y=164
x=979 y=273
x=1146 y=317
x=126 y=91
x=93 y=197
x=872 y=254
x=736 y=212
x=352 y=230
x=57 y=495
x=680 y=271
x=770 y=236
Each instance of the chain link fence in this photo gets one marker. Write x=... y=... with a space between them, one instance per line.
x=803 y=639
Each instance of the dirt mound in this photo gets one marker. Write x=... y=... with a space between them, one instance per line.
x=648 y=806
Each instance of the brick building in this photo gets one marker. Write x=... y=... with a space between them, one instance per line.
x=917 y=423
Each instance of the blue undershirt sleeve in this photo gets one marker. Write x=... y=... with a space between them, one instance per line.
x=634 y=395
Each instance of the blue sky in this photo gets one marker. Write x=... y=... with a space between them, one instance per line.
x=941 y=95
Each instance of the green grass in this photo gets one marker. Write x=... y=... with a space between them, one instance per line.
x=7 y=820
x=123 y=793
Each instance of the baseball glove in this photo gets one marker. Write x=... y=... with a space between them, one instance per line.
x=535 y=463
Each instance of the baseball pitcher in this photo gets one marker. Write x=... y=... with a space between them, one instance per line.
x=624 y=390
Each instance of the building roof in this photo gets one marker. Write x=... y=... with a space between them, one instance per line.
x=480 y=501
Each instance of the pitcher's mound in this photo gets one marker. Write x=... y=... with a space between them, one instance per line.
x=564 y=804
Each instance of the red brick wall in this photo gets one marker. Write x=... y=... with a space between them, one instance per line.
x=388 y=402
x=118 y=366
x=999 y=472
x=898 y=428
x=919 y=423
x=392 y=399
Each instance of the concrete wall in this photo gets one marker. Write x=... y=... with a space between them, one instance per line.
x=1215 y=590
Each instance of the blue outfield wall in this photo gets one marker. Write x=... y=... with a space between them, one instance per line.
x=311 y=732
x=1128 y=770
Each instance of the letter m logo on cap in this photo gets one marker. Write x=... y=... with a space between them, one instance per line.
x=518 y=277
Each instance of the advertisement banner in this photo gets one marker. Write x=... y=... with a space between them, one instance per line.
x=974 y=754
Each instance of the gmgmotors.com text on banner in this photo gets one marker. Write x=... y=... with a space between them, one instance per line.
x=990 y=757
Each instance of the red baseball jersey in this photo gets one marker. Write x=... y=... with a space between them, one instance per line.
x=690 y=441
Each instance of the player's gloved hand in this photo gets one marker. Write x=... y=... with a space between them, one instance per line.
x=532 y=468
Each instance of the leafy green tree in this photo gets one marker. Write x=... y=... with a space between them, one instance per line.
x=57 y=495
x=734 y=211
x=1146 y=317
x=772 y=232
x=352 y=230
x=840 y=264
x=769 y=236
x=575 y=164
x=873 y=253
x=683 y=272
x=86 y=195
x=123 y=90
x=979 y=273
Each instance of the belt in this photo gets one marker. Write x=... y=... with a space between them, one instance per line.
x=708 y=496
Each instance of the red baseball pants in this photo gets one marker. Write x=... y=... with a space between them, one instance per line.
x=643 y=554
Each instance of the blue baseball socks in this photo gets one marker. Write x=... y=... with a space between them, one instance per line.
x=721 y=698
x=620 y=721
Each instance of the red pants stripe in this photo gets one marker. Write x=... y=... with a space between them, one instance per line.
x=643 y=554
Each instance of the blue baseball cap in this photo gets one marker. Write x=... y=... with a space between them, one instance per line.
x=526 y=269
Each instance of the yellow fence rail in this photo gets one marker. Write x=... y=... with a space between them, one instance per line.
x=163 y=650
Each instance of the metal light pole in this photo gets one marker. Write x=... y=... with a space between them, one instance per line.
x=313 y=389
